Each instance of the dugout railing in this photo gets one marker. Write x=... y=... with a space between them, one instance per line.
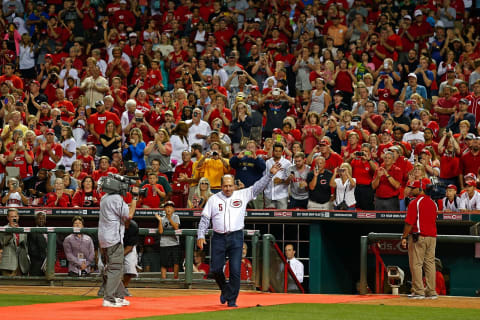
x=188 y=234
x=374 y=237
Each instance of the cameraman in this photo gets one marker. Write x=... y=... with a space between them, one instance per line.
x=421 y=231
x=114 y=211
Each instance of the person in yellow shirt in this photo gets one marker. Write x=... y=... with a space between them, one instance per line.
x=214 y=166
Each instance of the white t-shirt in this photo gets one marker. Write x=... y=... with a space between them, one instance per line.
x=344 y=191
x=202 y=128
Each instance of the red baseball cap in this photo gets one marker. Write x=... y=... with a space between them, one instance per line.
x=49 y=131
x=414 y=184
x=472 y=183
x=426 y=152
x=324 y=142
x=277 y=130
x=157 y=100
x=48 y=55
x=452 y=186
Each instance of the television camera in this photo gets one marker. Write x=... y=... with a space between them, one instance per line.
x=117 y=184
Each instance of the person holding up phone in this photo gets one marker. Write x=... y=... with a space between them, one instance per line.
x=319 y=191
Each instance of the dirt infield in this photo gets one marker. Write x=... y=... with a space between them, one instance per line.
x=446 y=302
x=92 y=292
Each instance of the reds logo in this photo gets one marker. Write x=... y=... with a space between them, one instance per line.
x=236 y=203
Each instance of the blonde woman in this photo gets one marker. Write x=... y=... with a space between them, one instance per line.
x=344 y=186
x=320 y=99
x=161 y=149
x=417 y=173
x=201 y=194
x=135 y=148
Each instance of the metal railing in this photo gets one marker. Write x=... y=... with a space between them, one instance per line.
x=189 y=235
x=364 y=240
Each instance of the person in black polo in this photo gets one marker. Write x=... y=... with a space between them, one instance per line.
x=319 y=191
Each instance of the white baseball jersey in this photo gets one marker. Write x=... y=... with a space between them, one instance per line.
x=228 y=213
x=456 y=205
x=471 y=203
x=277 y=191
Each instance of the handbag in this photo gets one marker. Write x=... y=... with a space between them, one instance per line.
x=343 y=205
x=243 y=140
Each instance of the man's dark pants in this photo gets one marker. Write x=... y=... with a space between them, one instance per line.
x=227 y=245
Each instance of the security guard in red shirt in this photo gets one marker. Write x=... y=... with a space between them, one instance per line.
x=421 y=232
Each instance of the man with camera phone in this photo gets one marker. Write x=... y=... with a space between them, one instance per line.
x=114 y=212
x=420 y=232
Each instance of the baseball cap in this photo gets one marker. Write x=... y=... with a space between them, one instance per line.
x=157 y=100
x=470 y=176
x=452 y=186
x=413 y=75
x=414 y=184
x=465 y=101
x=409 y=17
x=257 y=20
x=338 y=93
x=123 y=1
x=48 y=55
x=277 y=130
x=439 y=24
x=170 y=112
x=254 y=88
x=387 y=131
x=132 y=35
x=35 y=82
x=169 y=203
x=99 y=103
x=472 y=183
x=426 y=152
x=450 y=69
x=324 y=142
x=418 y=12
x=50 y=131
x=470 y=136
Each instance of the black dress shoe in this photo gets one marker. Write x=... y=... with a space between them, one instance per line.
x=222 y=299
x=232 y=305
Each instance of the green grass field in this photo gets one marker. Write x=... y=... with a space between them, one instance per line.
x=25 y=299
x=330 y=312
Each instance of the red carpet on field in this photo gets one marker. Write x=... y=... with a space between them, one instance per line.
x=145 y=307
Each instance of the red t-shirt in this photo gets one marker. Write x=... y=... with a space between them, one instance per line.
x=377 y=120
x=152 y=200
x=14 y=80
x=100 y=122
x=216 y=114
x=449 y=165
x=97 y=174
x=361 y=171
x=47 y=162
x=20 y=162
x=385 y=188
x=64 y=201
x=427 y=218
x=334 y=161
x=469 y=163
x=86 y=163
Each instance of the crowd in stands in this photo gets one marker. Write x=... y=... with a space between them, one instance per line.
x=356 y=99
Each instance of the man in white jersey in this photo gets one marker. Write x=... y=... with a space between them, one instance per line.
x=471 y=197
x=227 y=209
x=451 y=202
